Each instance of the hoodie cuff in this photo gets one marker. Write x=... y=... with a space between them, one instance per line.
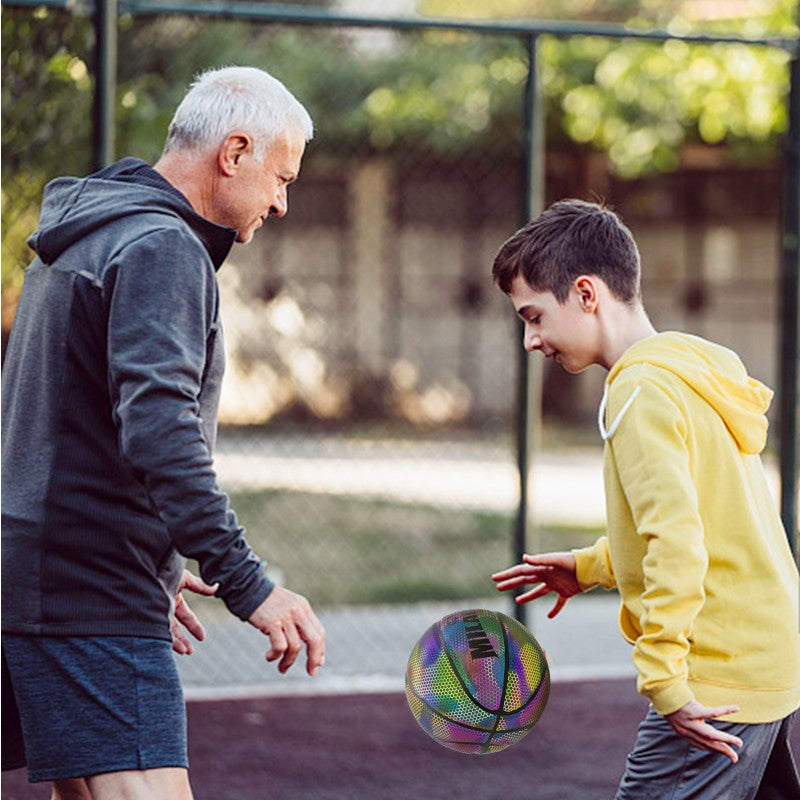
x=243 y=606
x=593 y=566
x=670 y=699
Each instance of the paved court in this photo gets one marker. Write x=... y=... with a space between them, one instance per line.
x=348 y=734
x=368 y=747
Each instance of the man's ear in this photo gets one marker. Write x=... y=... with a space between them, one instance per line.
x=587 y=290
x=230 y=153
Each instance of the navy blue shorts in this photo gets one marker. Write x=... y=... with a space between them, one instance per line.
x=90 y=705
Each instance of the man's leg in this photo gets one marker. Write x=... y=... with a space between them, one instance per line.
x=70 y=789
x=168 y=783
x=151 y=784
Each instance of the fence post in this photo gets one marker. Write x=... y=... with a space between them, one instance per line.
x=529 y=371
x=789 y=300
x=105 y=88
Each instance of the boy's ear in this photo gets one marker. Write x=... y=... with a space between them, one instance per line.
x=587 y=291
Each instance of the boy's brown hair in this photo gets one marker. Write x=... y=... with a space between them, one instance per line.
x=569 y=239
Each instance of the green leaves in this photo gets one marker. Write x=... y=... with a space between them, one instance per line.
x=644 y=100
x=432 y=93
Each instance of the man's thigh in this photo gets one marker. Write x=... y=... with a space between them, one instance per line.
x=97 y=705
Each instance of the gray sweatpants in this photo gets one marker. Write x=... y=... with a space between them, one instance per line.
x=665 y=766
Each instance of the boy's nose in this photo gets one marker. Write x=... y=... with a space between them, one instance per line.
x=531 y=341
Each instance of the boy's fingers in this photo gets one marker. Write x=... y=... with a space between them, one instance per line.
x=719 y=741
x=719 y=711
x=527 y=571
x=510 y=583
x=561 y=601
x=533 y=594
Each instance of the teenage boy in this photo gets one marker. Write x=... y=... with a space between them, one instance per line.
x=695 y=546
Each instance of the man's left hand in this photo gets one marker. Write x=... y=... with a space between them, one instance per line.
x=184 y=616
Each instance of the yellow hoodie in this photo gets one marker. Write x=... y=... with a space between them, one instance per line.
x=695 y=544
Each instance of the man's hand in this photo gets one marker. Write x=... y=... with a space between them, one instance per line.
x=551 y=572
x=690 y=722
x=185 y=616
x=288 y=619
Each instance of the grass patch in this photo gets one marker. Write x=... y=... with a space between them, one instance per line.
x=354 y=550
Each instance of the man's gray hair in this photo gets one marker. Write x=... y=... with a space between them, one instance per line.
x=224 y=100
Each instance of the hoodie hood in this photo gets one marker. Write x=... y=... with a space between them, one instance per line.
x=715 y=373
x=75 y=207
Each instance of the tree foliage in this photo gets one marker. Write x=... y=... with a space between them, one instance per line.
x=436 y=92
x=46 y=116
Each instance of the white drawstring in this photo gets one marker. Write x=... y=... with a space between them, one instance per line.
x=601 y=414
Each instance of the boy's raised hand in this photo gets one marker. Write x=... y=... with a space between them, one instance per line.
x=551 y=572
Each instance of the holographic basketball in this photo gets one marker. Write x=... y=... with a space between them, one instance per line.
x=477 y=681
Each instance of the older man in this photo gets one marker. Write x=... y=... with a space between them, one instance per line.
x=110 y=395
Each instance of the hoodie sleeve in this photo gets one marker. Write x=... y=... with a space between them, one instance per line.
x=651 y=456
x=160 y=295
x=593 y=566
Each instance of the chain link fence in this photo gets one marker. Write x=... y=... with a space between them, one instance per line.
x=368 y=429
x=367 y=418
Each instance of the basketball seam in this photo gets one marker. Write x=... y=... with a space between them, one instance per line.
x=506 y=659
x=435 y=711
x=457 y=674
x=544 y=680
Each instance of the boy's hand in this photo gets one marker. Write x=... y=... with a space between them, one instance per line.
x=690 y=722
x=552 y=572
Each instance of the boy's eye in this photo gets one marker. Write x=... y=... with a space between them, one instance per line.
x=534 y=320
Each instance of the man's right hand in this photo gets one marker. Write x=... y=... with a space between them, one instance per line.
x=288 y=619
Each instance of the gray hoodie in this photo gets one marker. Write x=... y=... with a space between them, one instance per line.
x=110 y=393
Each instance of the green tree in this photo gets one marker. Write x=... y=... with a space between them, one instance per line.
x=46 y=117
x=641 y=101
x=433 y=92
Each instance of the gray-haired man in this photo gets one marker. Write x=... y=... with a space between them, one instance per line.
x=110 y=395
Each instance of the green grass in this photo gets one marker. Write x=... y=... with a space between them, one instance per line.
x=354 y=550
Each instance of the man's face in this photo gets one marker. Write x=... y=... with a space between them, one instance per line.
x=259 y=189
x=561 y=331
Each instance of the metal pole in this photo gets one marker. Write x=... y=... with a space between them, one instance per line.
x=528 y=370
x=105 y=89
x=789 y=301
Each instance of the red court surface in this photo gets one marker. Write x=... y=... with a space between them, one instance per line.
x=368 y=747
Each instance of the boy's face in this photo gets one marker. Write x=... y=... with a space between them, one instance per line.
x=564 y=332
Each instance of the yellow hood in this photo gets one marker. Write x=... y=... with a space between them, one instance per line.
x=716 y=374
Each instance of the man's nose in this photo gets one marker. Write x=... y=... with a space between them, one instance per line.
x=280 y=205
